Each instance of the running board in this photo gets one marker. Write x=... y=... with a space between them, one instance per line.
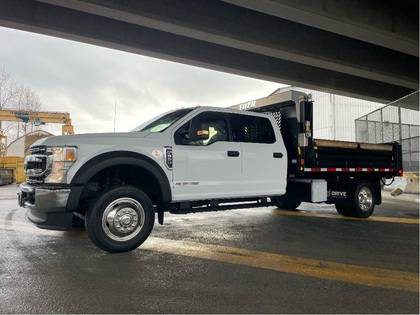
x=184 y=208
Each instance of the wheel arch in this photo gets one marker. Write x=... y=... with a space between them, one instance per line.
x=114 y=159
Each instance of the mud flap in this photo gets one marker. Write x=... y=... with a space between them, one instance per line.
x=160 y=216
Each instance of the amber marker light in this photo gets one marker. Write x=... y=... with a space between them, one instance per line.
x=70 y=154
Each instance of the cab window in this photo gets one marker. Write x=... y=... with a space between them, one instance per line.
x=252 y=129
x=167 y=120
x=204 y=129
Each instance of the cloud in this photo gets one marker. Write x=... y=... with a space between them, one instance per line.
x=87 y=80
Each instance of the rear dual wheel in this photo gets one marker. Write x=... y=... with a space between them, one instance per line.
x=360 y=204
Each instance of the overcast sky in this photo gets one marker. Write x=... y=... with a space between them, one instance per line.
x=86 y=80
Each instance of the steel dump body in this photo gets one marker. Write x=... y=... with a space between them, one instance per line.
x=319 y=158
x=343 y=156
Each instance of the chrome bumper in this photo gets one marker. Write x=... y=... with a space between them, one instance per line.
x=46 y=206
x=43 y=199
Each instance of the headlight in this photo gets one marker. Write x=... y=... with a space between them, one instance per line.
x=64 y=154
x=61 y=159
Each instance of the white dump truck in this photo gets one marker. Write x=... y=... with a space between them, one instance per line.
x=257 y=154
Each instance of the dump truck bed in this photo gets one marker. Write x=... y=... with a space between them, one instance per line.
x=309 y=157
x=352 y=157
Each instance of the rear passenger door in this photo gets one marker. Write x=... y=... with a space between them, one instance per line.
x=264 y=157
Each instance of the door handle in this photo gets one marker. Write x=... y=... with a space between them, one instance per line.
x=233 y=153
x=277 y=155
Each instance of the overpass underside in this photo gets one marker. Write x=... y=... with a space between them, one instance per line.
x=364 y=49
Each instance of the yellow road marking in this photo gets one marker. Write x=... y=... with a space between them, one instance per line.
x=321 y=269
x=361 y=275
x=301 y=213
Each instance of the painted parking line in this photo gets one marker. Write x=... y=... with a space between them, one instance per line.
x=355 y=274
x=301 y=213
x=321 y=269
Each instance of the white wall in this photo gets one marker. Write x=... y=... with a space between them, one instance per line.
x=17 y=148
x=337 y=124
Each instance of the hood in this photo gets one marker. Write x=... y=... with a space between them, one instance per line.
x=90 y=138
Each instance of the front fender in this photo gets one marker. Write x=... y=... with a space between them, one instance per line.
x=106 y=160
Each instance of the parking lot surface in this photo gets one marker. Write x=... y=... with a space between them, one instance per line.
x=264 y=260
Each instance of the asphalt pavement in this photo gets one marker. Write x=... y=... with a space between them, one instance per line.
x=263 y=260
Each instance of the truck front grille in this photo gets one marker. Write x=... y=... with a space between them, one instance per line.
x=40 y=149
x=37 y=164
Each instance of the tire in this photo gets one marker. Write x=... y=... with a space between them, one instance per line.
x=120 y=220
x=342 y=208
x=287 y=203
x=361 y=204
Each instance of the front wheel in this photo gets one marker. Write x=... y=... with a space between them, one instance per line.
x=120 y=220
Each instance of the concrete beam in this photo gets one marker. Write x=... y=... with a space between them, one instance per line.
x=227 y=25
x=391 y=24
x=81 y=26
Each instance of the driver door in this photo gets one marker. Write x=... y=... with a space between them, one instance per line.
x=207 y=164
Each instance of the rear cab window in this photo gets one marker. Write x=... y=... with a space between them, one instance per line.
x=252 y=129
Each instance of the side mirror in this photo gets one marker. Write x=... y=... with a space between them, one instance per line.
x=199 y=130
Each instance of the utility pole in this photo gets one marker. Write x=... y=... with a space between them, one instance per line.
x=115 y=115
x=332 y=103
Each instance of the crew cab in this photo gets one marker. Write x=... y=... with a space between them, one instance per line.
x=256 y=154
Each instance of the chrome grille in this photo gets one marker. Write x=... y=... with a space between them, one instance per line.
x=37 y=164
x=40 y=149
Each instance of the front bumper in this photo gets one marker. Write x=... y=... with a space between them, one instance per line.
x=46 y=206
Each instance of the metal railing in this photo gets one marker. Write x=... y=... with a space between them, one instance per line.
x=394 y=122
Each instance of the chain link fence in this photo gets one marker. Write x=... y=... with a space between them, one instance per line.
x=396 y=121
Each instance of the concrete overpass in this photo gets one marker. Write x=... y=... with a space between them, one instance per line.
x=366 y=49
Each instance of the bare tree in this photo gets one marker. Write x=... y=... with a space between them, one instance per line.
x=8 y=90
x=16 y=96
x=27 y=100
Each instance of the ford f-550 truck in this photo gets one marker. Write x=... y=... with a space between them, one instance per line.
x=257 y=154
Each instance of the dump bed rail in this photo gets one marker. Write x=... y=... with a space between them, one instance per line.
x=352 y=145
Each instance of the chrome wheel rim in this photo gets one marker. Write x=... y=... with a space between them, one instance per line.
x=365 y=198
x=123 y=219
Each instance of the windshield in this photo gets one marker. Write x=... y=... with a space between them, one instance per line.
x=165 y=121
